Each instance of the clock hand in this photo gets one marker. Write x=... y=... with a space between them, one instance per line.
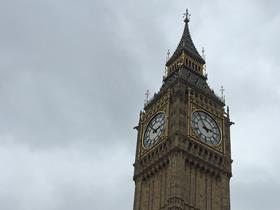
x=204 y=126
x=159 y=126
x=207 y=129
x=154 y=130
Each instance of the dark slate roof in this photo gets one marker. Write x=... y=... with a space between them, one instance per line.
x=186 y=45
x=189 y=78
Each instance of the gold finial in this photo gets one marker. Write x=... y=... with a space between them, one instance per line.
x=204 y=72
x=165 y=71
x=222 y=93
x=166 y=68
x=168 y=55
x=187 y=16
x=203 y=53
x=147 y=94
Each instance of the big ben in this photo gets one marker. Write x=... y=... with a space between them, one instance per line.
x=183 y=156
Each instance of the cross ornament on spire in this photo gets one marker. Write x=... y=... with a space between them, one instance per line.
x=187 y=16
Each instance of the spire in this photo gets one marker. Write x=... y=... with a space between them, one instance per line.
x=186 y=44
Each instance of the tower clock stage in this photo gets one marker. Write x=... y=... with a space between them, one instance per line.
x=183 y=156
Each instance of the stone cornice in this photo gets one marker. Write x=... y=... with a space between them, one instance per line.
x=194 y=154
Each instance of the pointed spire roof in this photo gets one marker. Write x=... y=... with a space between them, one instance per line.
x=186 y=44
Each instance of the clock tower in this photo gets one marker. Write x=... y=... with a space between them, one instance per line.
x=183 y=157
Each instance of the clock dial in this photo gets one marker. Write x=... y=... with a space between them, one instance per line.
x=154 y=130
x=206 y=128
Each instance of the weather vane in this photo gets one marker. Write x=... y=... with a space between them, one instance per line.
x=187 y=16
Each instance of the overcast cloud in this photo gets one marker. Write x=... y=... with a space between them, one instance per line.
x=72 y=80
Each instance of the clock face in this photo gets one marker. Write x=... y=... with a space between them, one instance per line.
x=206 y=128
x=154 y=130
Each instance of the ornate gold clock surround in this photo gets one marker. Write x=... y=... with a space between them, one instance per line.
x=158 y=106
x=219 y=120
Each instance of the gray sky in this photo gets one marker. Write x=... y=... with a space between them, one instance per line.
x=72 y=80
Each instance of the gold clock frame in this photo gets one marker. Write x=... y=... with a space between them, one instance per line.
x=219 y=121
x=219 y=128
x=163 y=135
x=161 y=105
